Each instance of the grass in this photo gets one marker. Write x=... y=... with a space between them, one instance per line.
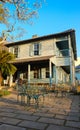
x=4 y=93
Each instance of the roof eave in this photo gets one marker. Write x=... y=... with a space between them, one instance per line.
x=41 y=38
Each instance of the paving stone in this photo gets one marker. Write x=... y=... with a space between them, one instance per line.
x=33 y=125
x=44 y=114
x=43 y=110
x=51 y=121
x=73 y=118
x=8 y=120
x=54 y=127
x=6 y=109
x=10 y=127
x=73 y=124
x=23 y=112
x=7 y=114
x=61 y=116
x=74 y=109
x=74 y=114
x=27 y=117
x=53 y=115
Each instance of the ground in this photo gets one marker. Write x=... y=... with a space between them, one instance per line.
x=53 y=113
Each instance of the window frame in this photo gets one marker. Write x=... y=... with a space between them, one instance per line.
x=47 y=72
x=36 y=49
x=16 y=51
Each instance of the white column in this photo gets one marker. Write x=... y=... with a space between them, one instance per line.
x=56 y=75
x=10 y=80
x=73 y=74
x=28 y=73
x=70 y=54
x=50 y=72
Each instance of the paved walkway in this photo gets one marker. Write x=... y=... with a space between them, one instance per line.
x=55 y=113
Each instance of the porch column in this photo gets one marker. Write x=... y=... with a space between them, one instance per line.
x=56 y=75
x=70 y=54
x=28 y=74
x=73 y=74
x=50 y=72
x=10 y=80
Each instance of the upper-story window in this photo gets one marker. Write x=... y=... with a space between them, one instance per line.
x=35 y=49
x=62 y=48
x=16 y=51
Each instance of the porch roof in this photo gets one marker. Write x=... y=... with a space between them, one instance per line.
x=32 y=59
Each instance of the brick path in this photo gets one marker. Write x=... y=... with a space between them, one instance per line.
x=55 y=113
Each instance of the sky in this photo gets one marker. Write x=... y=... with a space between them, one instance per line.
x=56 y=16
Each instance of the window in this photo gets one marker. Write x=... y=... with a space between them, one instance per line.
x=47 y=72
x=16 y=51
x=37 y=73
x=25 y=75
x=62 y=48
x=36 y=49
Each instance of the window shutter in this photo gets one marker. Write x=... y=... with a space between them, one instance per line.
x=18 y=51
x=11 y=49
x=31 y=50
x=40 y=46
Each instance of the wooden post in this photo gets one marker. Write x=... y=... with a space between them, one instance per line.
x=70 y=54
x=56 y=75
x=10 y=80
x=50 y=72
x=28 y=74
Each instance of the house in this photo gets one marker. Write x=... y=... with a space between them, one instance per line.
x=46 y=59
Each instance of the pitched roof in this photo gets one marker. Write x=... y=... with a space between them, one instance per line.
x=70 y=32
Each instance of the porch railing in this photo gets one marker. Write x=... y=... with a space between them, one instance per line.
x=62 y=53
x=46 y=80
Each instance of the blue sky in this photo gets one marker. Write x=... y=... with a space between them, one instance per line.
x=56 y=16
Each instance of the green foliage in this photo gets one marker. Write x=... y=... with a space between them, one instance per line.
x=4 y=93
x=6 y=68
x=6 y=56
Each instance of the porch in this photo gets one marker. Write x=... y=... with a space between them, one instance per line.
x=41 y=70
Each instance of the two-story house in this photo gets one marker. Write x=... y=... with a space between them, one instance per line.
x=46 y=59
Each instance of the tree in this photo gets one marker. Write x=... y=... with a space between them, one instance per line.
x=21 y=11
x=12 y=11
x=6 y=68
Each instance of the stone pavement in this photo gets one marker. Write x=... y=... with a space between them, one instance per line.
x=55 y=113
